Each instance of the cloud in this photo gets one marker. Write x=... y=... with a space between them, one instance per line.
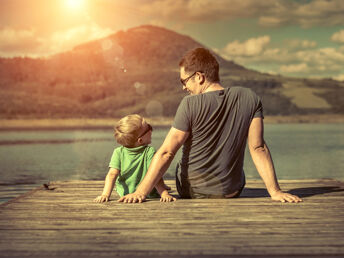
x=296 y=58
x=305 y=14
x=29 y=43
x=338 y=36
x=251 y=47
x=271 y=72
x=301 y=44
x=204 y=10
x=14 y=41
x=339 y=77
x=270 y=13
x=294 y=68
x=67 y=39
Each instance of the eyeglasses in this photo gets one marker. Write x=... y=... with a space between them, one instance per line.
x=150 y=128
x=184 y=81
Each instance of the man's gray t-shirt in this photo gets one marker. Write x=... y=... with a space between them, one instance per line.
x=213 y=155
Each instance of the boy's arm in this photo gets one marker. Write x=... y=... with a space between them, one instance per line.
x=263 y=162
x=164 y=195
x=109 y=184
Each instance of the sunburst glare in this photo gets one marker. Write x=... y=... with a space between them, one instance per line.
x=74 y=4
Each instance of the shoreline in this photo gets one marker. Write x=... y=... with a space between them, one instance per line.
x=108 y=123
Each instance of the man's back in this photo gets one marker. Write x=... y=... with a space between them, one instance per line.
x=213 y=155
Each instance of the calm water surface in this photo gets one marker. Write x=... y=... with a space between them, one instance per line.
x=30 y=158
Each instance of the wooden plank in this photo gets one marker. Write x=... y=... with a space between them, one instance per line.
x=65 y=222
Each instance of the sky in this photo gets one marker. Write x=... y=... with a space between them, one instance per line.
x=301 y=38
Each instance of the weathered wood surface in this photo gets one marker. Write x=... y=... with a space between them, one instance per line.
x=64 y=222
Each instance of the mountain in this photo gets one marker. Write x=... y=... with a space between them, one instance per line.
x=136 y=71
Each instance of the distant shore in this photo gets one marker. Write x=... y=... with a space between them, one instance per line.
x=106 y=123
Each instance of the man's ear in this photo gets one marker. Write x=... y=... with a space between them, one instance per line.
x=202 y=79
x=139 y=140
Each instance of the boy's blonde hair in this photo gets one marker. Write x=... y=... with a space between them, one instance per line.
x=126 y=130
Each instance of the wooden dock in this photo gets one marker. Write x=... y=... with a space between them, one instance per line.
x=63 y=221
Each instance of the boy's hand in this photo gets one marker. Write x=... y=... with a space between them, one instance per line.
x=132 y=198
x=101 y=198
x=166 y=197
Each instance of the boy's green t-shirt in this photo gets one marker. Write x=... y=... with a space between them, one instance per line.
x=133 y=164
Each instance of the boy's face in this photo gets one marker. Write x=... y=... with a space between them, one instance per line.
x=145 y=134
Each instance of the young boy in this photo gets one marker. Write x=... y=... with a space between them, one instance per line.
x=129 y=163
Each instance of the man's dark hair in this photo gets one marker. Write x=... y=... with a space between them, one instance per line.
x=201 y=60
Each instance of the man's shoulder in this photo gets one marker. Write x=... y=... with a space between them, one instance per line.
x=239 y=89
x=188 y=101
x=241 y=92
x=190 y=98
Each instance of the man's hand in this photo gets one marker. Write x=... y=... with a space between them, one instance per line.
x=166 y=197
x=132 y=198
x=101 y=198
x=285 y=197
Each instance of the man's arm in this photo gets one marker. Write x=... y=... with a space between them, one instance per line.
x=262 y=159
x=160 y=163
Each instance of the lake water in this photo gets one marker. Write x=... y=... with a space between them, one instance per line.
x=30 y=158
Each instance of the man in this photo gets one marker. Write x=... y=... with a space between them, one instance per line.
x=214 y=124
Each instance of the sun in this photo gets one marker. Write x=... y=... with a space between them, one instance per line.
x=74 y=4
